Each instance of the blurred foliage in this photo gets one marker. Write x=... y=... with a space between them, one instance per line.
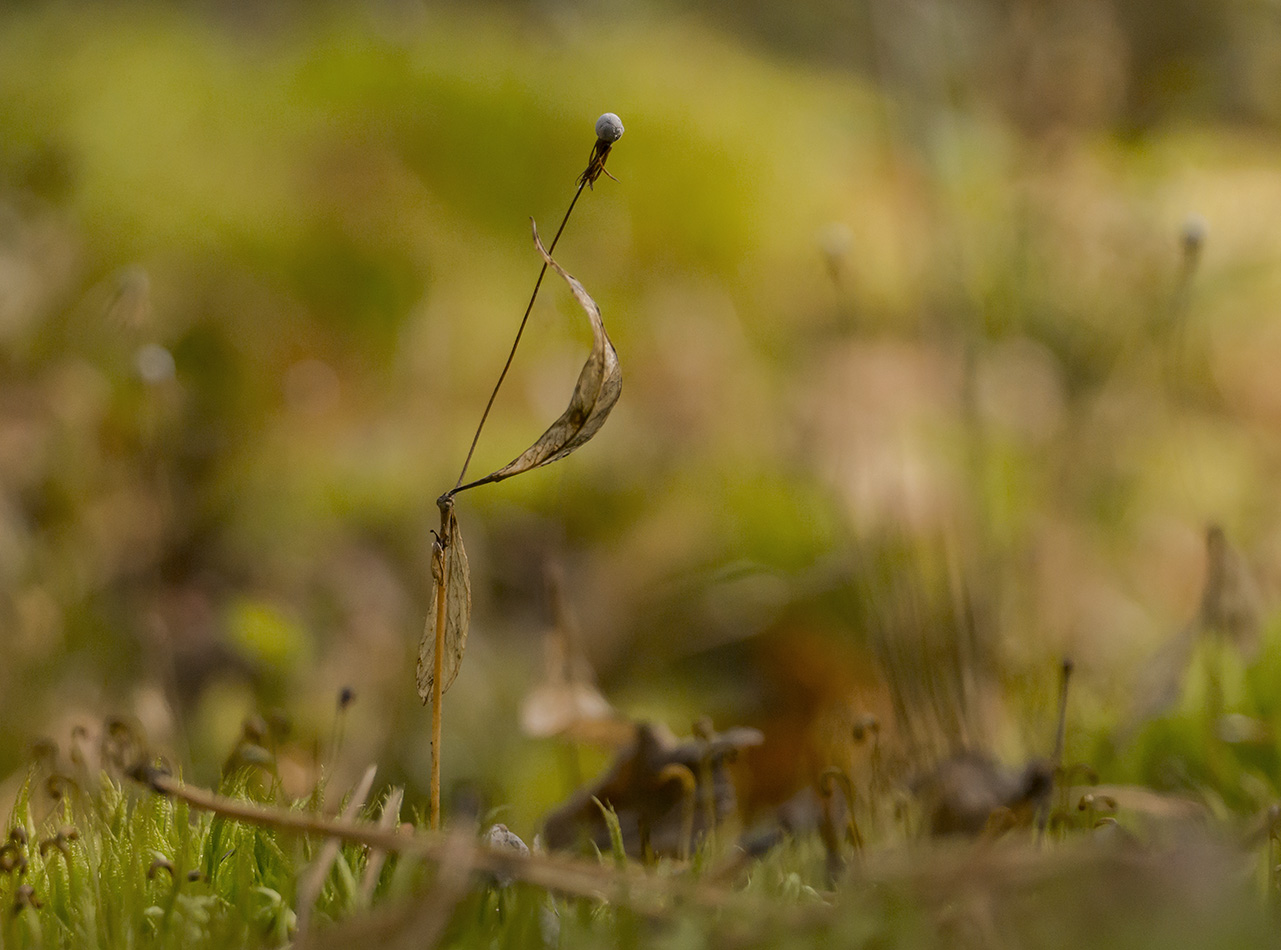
x=946 y=330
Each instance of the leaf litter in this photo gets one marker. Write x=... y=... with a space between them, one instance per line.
x=666 y=793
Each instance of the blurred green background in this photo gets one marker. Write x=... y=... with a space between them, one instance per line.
x=916 y=304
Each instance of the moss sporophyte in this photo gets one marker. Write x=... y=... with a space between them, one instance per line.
x=597 y=390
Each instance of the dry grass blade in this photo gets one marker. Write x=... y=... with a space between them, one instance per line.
x=599 y=385
x=313 y=882
x=451 y=574
x=387 y=821
x=453 y=879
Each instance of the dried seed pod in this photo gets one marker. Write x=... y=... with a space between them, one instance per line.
x=609 y=128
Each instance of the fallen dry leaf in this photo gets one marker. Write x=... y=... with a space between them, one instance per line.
x=645 y=790
x=451 y=573
x=966 y=791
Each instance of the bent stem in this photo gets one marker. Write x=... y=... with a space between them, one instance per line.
x=529 y=308
x=595 y=167
x=446 y=504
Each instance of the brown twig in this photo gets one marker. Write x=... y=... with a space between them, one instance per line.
x=566 y=875
x=446 y=503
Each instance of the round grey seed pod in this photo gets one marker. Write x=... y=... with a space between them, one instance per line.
x=609 y=128
x=501 y=838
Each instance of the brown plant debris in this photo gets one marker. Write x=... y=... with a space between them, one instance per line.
x=968 y=793
x=648 y=788
x=450 y=573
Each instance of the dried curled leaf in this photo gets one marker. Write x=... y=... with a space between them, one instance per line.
x=450 y=573
x=599 y=385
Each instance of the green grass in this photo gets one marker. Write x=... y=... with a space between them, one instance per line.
x=111 y=864
x=332 y=218
x=133 y=868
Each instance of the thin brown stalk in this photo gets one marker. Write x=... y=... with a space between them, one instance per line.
x=438 y=659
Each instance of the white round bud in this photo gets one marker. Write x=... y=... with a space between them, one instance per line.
x=609 y=128
x=154 y=364
x=1192 y=235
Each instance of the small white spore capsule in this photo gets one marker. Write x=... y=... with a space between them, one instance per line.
x=609 y=128
x=1192 y=236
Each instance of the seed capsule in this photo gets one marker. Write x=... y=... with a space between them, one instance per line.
x=609 y=128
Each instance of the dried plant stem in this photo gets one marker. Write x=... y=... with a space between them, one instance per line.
x=285 y=819
x=582 y=183
x=446 y=504
x=1060 y=733
x=1060 y=740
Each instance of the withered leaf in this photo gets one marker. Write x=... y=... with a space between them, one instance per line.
x=449 y=571
x=966 y=791
x=566 y=702
x=647 y=800
x=599 y=385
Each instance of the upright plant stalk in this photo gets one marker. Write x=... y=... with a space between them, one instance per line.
x=608 y=131
x=446 y=504
x=1060 y=742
